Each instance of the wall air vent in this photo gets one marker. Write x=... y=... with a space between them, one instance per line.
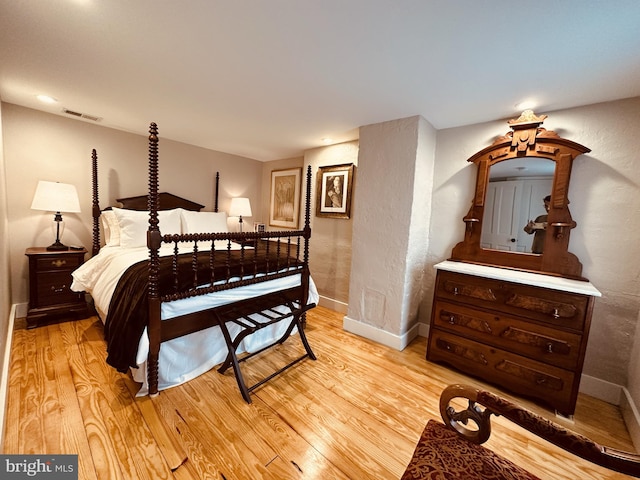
x=86 y=116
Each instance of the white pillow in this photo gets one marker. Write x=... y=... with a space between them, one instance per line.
x=110 y=227
x=134 y=225
x=204 y=222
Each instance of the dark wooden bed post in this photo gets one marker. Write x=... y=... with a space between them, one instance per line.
x=96 y=204
x=154 y=241
x=215 y=205
x=307 y=236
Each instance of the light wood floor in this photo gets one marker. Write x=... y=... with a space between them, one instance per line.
x=355 y=413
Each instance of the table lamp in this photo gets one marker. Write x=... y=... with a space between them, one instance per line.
x=240 y=207
x=56 y=197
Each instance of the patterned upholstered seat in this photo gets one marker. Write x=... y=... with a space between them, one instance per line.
x=453 y=450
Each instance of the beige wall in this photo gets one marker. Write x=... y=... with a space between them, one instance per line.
x=330 y=247
x=5 y=284
x=41 y=146
x=330 y=254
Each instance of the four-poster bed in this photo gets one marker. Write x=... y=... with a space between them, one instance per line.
x=184 y=294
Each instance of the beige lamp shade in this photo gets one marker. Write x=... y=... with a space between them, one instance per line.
x=55 y=197
x=240 y=207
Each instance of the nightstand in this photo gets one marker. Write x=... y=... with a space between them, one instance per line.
x=49 y=284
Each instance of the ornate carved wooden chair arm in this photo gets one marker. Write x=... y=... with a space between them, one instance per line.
x=482 y=404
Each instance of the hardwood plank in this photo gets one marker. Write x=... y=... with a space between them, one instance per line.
x=71 y=436
x=112 y=413
x=31 y=421
x=356 y=412
x=12 y=431
x=171 y=449
x=264 y=431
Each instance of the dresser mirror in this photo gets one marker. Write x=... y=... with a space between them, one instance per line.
x=515 y=174
x=514 y=211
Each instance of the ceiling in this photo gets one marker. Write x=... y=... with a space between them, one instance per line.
x=270 y=79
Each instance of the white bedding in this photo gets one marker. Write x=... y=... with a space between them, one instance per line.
x=183 y=358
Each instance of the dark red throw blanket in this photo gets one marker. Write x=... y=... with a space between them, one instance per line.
x=128 y=309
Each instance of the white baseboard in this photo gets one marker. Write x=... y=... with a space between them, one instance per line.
x=4 y=378
x=21 y=310
x=600 y=389
x=333 y=304
x=398 y=342
x=631 y=417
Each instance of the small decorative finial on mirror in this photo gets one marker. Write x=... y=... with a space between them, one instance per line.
x=525 y=129
x=527 y=117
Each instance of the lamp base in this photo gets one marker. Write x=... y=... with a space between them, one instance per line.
x=57 y=247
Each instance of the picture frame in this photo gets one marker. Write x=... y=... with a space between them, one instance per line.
x=284 y=204
x=334 y=189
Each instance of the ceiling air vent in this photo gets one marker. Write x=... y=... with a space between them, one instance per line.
x=86 y=116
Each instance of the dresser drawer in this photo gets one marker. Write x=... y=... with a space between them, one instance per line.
x=559 y=308
x=527 y=338
x=514 y=372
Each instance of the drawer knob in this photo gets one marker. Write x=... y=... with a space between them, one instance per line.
x=556 y=313
x=58 y=290
x=452 y=320
x=456 y=291
x=549 y=347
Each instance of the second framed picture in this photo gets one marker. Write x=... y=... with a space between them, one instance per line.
x=333 y=191
x=284 y=208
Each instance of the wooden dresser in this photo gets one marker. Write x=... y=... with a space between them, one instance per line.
x=525 y=332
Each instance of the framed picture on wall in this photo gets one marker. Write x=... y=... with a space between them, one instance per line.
x=333 y=191
x=284 y=205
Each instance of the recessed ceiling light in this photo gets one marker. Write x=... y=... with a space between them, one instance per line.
x=46 y=99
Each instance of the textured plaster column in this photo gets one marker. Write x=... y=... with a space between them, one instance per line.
x=390 y=230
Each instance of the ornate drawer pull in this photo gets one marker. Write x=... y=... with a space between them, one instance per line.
x=468 y=290
x=540 y=305
x=58 y=290
x=545 y=343
x=465 y=321
x=58 y=263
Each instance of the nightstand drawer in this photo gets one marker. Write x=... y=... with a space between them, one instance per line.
x=51 y=263
x=53 y=289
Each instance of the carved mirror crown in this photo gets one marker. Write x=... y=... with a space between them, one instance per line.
x=526 y=144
